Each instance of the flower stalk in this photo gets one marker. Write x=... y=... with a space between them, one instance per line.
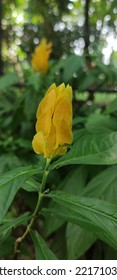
x=19 y=240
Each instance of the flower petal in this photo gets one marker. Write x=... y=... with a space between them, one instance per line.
x=63 y=111
x=63 y=134
x=38 y=144
x=51 y=141
x=47 y=103
x=61 y=151
x=44 y=122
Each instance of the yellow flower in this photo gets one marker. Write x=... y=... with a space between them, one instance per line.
x=41 y=56
x=54 y=122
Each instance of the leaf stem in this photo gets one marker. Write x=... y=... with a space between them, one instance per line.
x=40 y=198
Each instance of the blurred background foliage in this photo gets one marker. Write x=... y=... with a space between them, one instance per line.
x=84 y=38
x=75 y=25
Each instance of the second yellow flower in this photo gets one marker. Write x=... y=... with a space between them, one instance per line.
x=41 y=56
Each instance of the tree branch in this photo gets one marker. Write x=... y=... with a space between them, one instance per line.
x=86 y=25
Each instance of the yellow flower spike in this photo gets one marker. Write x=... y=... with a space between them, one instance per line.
x=54 y=122
x=41 y=56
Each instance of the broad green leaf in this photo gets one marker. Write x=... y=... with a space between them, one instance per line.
x=6 y=228
x=58 y=244
x=73 y=183
x=97 y=216
x=52 y=225
x=10 y=183
x=83 y=239
x=77 y=134
x=42 y=251
x=91 y=149
x=8 y=80
x=78 y=241
x=100 y=123
x=102 y=184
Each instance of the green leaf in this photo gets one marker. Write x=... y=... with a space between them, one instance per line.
x=103 y=185
x=31 y=185
x=58 y=244
x=10 y=183
x=7 y=160
x=6 y=248
x=34 y=80
x=109 y=253
x=52 y=225
x=42 y=251
x=73 y=183
x=79 y=120
x=6 y=228
x=112 y=107
x=100 y=124
x=91 y=149
x=8 y=80
x=78 y=241
x=88 y=81
x=77 y=134
x=83 y=239
x=72 y=64
x=97 y=216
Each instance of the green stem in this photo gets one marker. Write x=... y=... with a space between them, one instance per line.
x=40 y=198
x=45 y=175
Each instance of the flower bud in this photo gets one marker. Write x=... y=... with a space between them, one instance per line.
x=41 y=56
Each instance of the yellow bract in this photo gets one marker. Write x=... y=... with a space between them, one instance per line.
x=41 y=56
x=54 y=122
